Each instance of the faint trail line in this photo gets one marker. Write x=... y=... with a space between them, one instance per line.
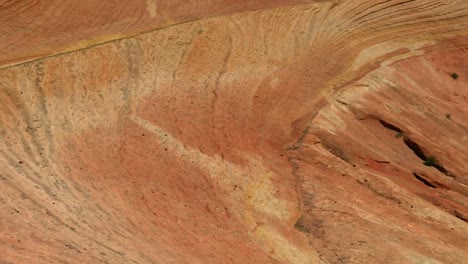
x=60 y=53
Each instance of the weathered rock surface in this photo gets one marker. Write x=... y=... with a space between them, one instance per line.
x=32 y=29
x=281 y=132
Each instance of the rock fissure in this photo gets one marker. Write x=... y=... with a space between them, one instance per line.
x=423 y=180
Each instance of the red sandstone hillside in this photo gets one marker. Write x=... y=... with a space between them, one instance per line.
x=234 y=131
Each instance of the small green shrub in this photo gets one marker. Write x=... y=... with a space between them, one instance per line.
x=454 y=75
x=448 y=116
x=399 y=135
x=430 y=161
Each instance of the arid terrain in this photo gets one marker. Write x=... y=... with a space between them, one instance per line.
x=234 y=131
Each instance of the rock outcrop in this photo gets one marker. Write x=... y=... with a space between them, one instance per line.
x=234 y=132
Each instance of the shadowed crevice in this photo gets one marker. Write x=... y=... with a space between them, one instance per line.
x=428 y=160
x=390 y=126
x=421 y=179
x=460 y=216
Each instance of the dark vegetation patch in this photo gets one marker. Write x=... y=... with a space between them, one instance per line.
x=430 y=161
x=454 y=75
x=301 y=226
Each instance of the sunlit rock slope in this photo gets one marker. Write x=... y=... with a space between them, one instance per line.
x=234 y=131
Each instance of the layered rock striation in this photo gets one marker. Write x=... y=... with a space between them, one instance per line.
x=234 y=132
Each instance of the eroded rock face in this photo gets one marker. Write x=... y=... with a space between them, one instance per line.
x=295 y=133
